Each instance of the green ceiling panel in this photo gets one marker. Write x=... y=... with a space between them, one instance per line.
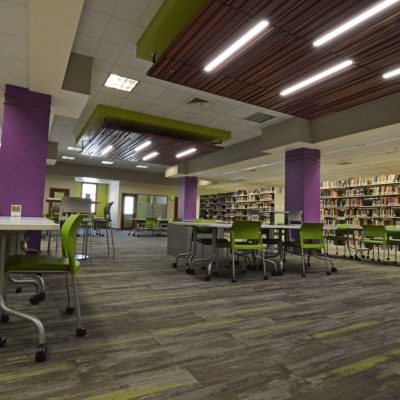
x=118 y=118
x=167 y=24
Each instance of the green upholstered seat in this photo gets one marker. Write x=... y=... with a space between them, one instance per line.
x=374 y=235
x=40 y=263
x=311 y=237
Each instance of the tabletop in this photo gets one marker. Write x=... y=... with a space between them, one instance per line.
x=27 y=224
x=226 y=225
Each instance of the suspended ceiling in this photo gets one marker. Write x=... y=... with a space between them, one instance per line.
x=285 y=54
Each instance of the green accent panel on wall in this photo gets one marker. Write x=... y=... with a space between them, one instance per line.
x=142 y=206
x=119 y=118
x=167 y=24
x=102 y=197
x=76 y=189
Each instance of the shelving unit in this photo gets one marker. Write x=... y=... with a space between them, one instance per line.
x=361 y=201
x=236 y=205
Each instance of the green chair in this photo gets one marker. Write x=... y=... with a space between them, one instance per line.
x=150 y=226
x=374 y=235
x=393 y=239
x=104 y=223
x=341 y=236
x=67 y=264
x=311 y=238
x=246 y=237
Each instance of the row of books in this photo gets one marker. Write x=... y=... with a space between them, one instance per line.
x=379 y=179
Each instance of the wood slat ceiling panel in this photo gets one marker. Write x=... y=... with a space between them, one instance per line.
x=285 y=54
x=124 y=143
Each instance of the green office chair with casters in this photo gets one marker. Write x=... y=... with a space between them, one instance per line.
x=393 y=239
x=312 y=239
x=67 y=264
x=374 y=235
x=246 y=236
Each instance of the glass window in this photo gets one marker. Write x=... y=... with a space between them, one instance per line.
x=89 y=191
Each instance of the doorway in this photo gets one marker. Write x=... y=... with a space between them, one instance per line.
x=129 y=205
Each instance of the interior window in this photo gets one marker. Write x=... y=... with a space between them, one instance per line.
x=89 y=191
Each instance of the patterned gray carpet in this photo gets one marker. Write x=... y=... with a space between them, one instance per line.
x=157 y=333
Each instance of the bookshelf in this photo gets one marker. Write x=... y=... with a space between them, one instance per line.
x=361 y=201
x=237 y=205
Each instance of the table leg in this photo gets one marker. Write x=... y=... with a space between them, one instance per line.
x=280 y=234
x=213 y=254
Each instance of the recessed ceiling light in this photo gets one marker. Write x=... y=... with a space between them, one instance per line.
x=150 y=155
x=227 y=173
x=315 y=78
x=120 y=83
x=68 y=158
x=142 y=166
x=73 y=148
x=233 y=48
x=107 y=162
x=107 y=150
x=370 y=12
x=186 y=152
x=391 y=73
x=143 y=145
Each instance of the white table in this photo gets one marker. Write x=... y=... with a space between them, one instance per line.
x=223 y=225
x=8 y=227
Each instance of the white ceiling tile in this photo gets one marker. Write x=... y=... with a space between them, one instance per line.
x=13 y=47
x=22 y=3
x=148 y=89
x=158 y=110
x=108 y=51
x=131 y=10
x=99 y=77
x=174 y=96
x=13 y=19
x=93 y=23
x=104 y=6
x=114 y=92
x=11 y=67
x=85 y=45
x=150 y=12
x=180 y=115
x=134 y=105
x=128 y=59
x=102 y=65
x=139 y=98
x=136 y=34
x=128 y=72
x=109 y=100
x=118 y=31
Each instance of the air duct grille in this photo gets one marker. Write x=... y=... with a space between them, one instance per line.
x=259 y=117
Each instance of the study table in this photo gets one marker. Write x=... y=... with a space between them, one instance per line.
x=9 y=228
x=214 y=226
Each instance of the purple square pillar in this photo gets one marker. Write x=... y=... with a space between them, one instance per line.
x=23 y=152
x=187 y=200
x=302 y=183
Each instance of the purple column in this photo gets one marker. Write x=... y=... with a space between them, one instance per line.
x=187 y=200
x=302 y=183
x=23 y=152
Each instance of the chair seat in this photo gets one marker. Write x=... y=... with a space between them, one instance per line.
x=38 y=263
x=208 y=242
x=373 y=241
x=309 y=246
x=247 y=247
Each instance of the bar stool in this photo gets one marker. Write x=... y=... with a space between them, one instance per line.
x=105 y=223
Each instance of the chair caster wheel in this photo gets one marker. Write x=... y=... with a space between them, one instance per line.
x=188 y=270
x=328 y=273
x=303 y=275
x=357 y=258
x=308 y=264
x=3 y=341
x=18 y=290
x=265 y=277
x=379 y=260
x=234 y=280
x=34 y=300
x=280 y=273
x=203 y=268
x=363 y=256
x=334 y=269
x=4 y=318
x=274 y=273
x=41 y=353
x=70 y=310
x=192 y=271
x=175 y=265
x=80 y=332
x=42 y=296
x=207 y=278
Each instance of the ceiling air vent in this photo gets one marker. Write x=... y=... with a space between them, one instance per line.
x=258 y=117
x=197 y=100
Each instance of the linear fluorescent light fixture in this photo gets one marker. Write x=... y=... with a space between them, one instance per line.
x=233 y=48
x=150 y=156
x=68 y=158
x=107 y=162
x=315 y=78
x=143 y=145
x=73 y=148
x=120 y=83
x=391 y=73
x=107 y=150
x=186 y=152
x=368 y=13
x=142 y=166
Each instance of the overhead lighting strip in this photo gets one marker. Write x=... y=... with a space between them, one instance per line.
x=150 y=156
x=186 y=152
x=315 y=78
x=142 y=146
x=391 y=74
x=106 y=150
x=236 y=46
x=370 y=12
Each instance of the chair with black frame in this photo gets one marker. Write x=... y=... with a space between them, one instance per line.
x=293 y=218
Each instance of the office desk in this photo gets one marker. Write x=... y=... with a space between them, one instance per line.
x=222 y=225
x=9 y=227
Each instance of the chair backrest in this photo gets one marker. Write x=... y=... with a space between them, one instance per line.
x=107 y=211
x=76 y=205
x=343 y=229
x=205 y=230
x=69 y=232
x=246 y=230
x=312 y=231
x=151 y=223
x=374 y=231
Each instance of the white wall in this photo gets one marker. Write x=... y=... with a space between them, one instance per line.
x=58 y=182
